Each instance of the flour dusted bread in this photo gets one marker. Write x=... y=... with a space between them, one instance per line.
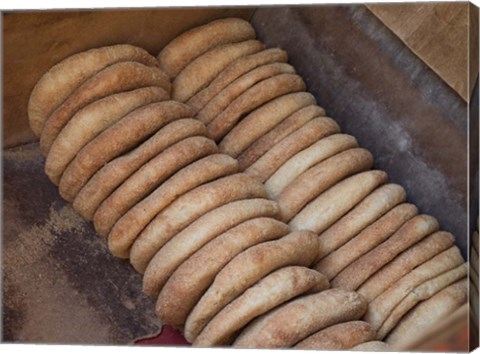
x=275 y=135
x=380 y=308
x=305 y=159
x=124 y=135
x=236 y=69
x=193 y=277
x=370 y=237
x=341 y=336
x=254 y=97
x=188 y=46
x=148 y=177
x=422 y=292
x=90 y=121
x=113 y=79
x=320 y=177
x=369 y=210
x=221 y=101
x=275 y=289
x=297 y=248
x=262 y=120
x=331 y=205
x=192 y=238
x=429 y=312
x=410 y=233
x=292 y=322
x=115 y=172
x=129 y=226
x=414 y=256
x=309 y=133
x=200 y=72
x=187 y=209
x=63 y=78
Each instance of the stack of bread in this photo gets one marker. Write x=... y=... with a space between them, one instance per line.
x=255 y=221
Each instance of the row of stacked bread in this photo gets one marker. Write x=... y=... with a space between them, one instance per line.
x=371 y=240
x=208 y=239
x=146 y=173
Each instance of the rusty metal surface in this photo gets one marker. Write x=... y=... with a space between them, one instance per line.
x=60 y=284
x=379 y=91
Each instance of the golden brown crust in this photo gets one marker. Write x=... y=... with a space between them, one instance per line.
x=124 y=135
x=141 y=183
x=274 y=136
x=429 y=312
x=294 y=321
x=221 y=101
x=366 y=240
x=416 y=255
x=319 y=178
x=234 y=71
x=341 y=336
x=200 y=72
x=335 y=202
x=271 y=291
x=309 y=133
x=90 y=121
x=112 y=175
x=372 y=346
x=262 y=120
x=129 y=226
x=186 y=47
x=369 y=210
x=422 y=292
x=380 y=308
x=297 y=248
x=192 y=238
x=113 y=79
x=193 y=277
x=187 y=209
x=64 y=77
x=410 y=233
x=252 y=98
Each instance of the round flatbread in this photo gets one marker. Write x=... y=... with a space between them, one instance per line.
x=149 y=177
x=90 y=121
x=369 y=210
x=414 y=256
x=186 y=209
x=305 y=159
x=113 y=79
x=274 y=136
x=221 y=101
x=262 y=120
x=309 y=133
x=235 y=70
x=335 y=202
x=410 y=233
x=297 y=248
x=200 y=72
x=129 y=226
x=294 y=321
x=252 y=98
x=341 y=336
x=121 y=137
x=193 y=277
x=186 y=47
x=334 y=260
x=319 y=178
x=271 y=291
x=114 y=173
x=64 y=77
x=191 y=239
